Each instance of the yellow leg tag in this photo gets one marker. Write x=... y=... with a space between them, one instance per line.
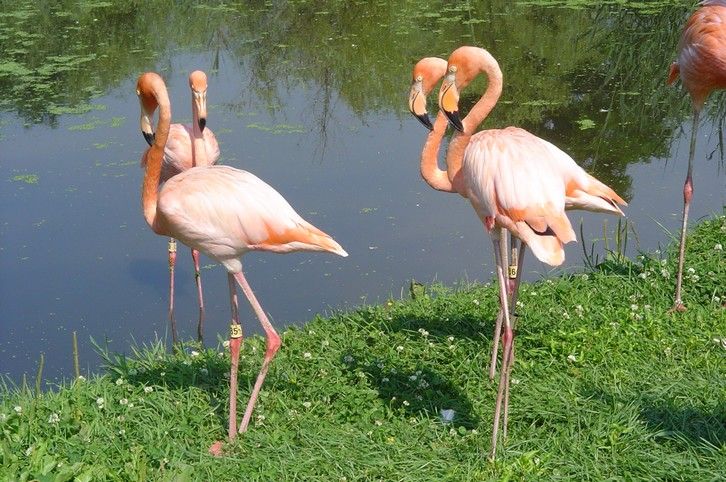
x=513 y=272
x=235 y=331
x=172 y=245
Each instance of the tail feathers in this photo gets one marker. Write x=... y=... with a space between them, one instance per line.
x=303 y=237
x=596 y=196
x=546 y=247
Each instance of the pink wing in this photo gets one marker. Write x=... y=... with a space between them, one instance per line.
x=225 y=212
x=513 y=177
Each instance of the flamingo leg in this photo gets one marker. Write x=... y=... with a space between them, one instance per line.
x=172 y=263
x=273 y=344
x=198 y=280
x=235 y=342
x=515 y=317
x=497 y=326
x=687 y=195
x=499 y=246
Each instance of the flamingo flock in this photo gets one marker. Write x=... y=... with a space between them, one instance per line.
x=519 y=185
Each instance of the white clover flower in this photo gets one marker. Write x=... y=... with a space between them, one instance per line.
x=716 y=299
x=413 y=378
x=379 y=422
x=665 y=273
x=384 y=379
x=124 y=401
x=515 y=381
x=348 y=359
x=307 y=355
x=718 y=247
x=121 y=418
x=663 y=262
x=194 y=353
x=225 y=343
x=54 y=418
x=633 y=307
x=452 y=347
x=326 y=343
x=691 y=270
x=163 y=374
x=81 y=378
x=423 y=384
x=405 y=402
x=29 y=451
x=476 y=302
x=423 y=332
x=18 y=409
x=519 y=304
x=451 y=338
x=643 y=275
x=122 y=432
x=307 y=404
x=120 y=381
x=204 y=371
x=3 y=417
x=571 y=358
x=452 y=432
x=431 y=343
x=399 y=348
x=100 y=402
x=565 y=315
x=695 y=277
x=585 y=277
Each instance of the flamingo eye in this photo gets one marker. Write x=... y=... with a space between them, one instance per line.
x=452 y=69
x=419 y=78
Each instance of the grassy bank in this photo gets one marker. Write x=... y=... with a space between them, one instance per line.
x=606 y=386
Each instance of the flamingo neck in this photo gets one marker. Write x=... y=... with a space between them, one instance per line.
x=154 y=156
x=483 y=63
x=199 y=151
x=435 y=177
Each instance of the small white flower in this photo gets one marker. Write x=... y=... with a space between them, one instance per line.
x=431 y=343
x=515 y=381
x=225 y=343
x=585 y=277
x=565 y=315
x=476 y=302
x=691 y=270
x=716 y=299
x=29 y=451
x=124 y=401
x=571 y=358
x=423 y=332
x=633 y=307
x=260 y=417
x=405 y=402
x=452 y=432
x=100 y=402
x=204 y=371
x=120 y=381
x=307 y=355
x=663 y=262
x=384 y=379
x=307 y=404
x=379 y=422
x=380 y=365
x=643 y=275
x=718 y=247
x=399 y=348
x=81 y=378
x=3 y=417
x=186 y=362
x=413 y=378
x=665 y=273
x=194 y=353
x=695 y=277
x=163 y=374
x=54 y=418
x=452 y=347
x=121 y=418
x=122 y=432
x=348 y=359
x=18 y=409
x=131 y=405
x=451 y=338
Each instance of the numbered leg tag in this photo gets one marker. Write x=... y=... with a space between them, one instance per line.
x=513 y=272
x=235 y=331
x=172 y=246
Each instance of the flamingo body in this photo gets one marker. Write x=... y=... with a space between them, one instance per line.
x=178 y=150
x=225 y=212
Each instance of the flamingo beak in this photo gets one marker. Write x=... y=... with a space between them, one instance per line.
x=417 y=105
x=147 y=129
x=149 y=138
x=449 y=101
x=200 y=103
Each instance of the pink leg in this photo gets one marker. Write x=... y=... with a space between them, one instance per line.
x=506 y=336
x=273 y=344
x=498 y=325
x=234 y=346
x=198 y=280
x=172 y=262
x=515 y=316
x=687 y=195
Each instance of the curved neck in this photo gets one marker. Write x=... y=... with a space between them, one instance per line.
x=199 y=152
x=154 y=156
x=435 y=177
x=483 y=63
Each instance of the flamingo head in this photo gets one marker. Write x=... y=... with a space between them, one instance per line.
x=198 y=84
x=148 y=103
x=426 y=73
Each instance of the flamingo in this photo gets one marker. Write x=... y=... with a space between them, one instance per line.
x=222 y=212
x=515 y=181
x=187 y=146
x=701 y=66
x=426 y=74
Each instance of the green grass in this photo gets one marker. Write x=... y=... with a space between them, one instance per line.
x=607 y=386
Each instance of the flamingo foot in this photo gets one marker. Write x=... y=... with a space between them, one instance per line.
x=678 y=307
x=216 y=449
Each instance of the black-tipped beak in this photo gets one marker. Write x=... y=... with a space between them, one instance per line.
x=149 y=137
x=202 y=123
x=424 y=119
x=455 y=120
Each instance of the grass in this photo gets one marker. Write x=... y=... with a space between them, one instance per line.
x=607 y=386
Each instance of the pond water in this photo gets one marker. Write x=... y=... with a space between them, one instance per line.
x=313 y=101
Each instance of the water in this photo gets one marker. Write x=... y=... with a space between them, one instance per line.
x=328 y=128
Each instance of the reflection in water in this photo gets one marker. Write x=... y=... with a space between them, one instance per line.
x=313 y=102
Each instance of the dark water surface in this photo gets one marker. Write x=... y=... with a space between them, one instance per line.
x=313 y=101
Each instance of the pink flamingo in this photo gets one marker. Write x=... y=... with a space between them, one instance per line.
x=187 y=146
x=515 y=181
x=224 y=213
x=701 y=66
